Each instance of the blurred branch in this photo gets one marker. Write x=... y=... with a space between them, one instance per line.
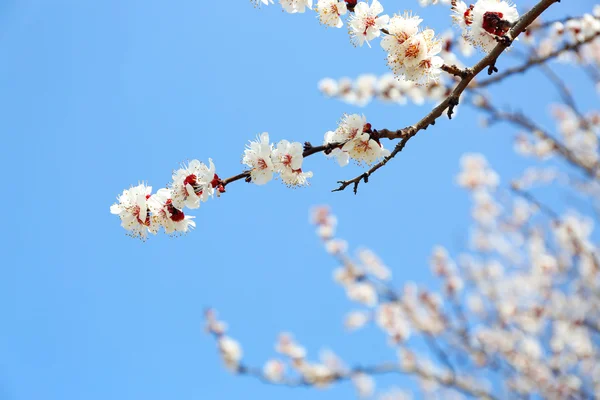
x=535 y=61
x=520 y=120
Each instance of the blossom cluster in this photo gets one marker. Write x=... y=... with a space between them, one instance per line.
x=484 y=22
x=386 y=88
x=572 y=31
x=142 y=212
x=265 y=159
x=578 y=134
x=412 y=53
x=292 y=364
x=354 y=139
x=522 y=301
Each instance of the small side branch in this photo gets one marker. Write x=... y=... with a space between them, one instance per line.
x=536 y=61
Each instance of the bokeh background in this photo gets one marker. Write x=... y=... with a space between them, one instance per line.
x=98 y=95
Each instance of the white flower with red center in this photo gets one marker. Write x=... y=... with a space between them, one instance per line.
x=400 y=28
x=193 y=183
x=287 y=159
x=167 y=215
x=330 y=12
x=485 y=21
x=366 y=149
x=258 y=157
x=462 y=14
x=349 y=128
x=133 y=210
x=295 y=6
x=412 y=55
x=365 y=24
x=430 y=64
x=353 y=137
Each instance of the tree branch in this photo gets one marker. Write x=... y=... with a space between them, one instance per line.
x=452 y=99
x=380 y=369
x=522 y=121
x=536 y=61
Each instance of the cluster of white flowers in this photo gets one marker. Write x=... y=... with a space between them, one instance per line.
x=536 y=317
x=484 y=22
x=142 y=212
x=579 y=134
x=230 y=350
x=386 y=88
x=572 y=31
x=366 y=23
x=412 y=54
x=390 y=88
x=354 y=139
x=318 y=374
x=265 y=159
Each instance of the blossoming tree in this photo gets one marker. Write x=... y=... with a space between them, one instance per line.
x=519 y=318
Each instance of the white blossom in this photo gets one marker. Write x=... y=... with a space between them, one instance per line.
x=485 y=21
x=330 y=12
x=274 y=370
x=353 y=133
x=287 y=160
x=132 y=208
x=167 y=215
x=296 y=6
x=258 y=157
x=193 y=183
x=412 y=54
x=231 y=351
x=365 y=24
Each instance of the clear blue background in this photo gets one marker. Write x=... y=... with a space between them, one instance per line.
x=98 y=95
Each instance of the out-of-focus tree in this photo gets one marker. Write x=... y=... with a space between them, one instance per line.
x=516 y=317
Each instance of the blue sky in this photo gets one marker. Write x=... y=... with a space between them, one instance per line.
x=96 y=96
